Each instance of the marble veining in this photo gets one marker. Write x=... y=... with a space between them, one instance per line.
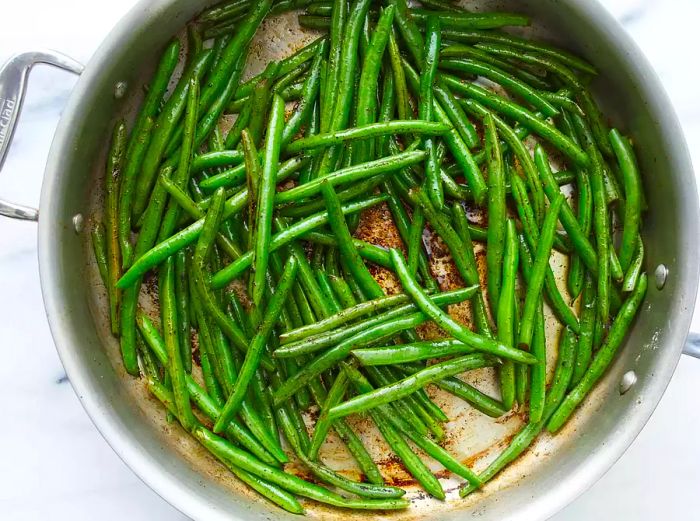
x=56 y=466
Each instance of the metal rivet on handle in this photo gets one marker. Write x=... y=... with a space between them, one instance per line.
x=120 y=89
x=660 y=276
x=78 y=222
x=628 y=380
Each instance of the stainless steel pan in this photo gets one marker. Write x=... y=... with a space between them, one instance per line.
x=553 y=472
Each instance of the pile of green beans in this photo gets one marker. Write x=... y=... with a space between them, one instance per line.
x=246 y=205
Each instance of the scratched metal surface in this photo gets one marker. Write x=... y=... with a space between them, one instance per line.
x=471 y=436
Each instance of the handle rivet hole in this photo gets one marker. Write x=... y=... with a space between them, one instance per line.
x=78 y=222
x=628 y=380
x=660 y=276
x=120 y=89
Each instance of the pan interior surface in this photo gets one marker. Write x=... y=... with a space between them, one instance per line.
x=553 y=471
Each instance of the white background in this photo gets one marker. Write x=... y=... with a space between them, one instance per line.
x=54 y=464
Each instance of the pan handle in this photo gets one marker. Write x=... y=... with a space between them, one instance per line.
x=13 y=87
x=692 y=345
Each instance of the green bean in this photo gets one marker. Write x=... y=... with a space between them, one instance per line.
x=367 y=251
x=324 y=423
x=233 y=270
x=480 y=401
x=538 y=375
x=139 y=141
x=282 y=81
x=567 y=216
x=351 y=174
x=537 y=60
x=366 y=104
x=340 y=286
x=99 y=249
x=409 y=30
x=386 y=113
x=252 y=171
x=496 y=232
x=616 y=272
x=330 y=85
x=561 y=101
x=322 y=306
x=503 y=78
x=479 y=342
x=347 y=67
x=403 y=353
x=310 y=92
x=454 y=112
x=225 y=10
x=635 y=268
x=585 y=211
x=476 y=52
x=505 y=309
x=319 y=23
x=342 y=317
x=522 y=116
x=602 y=233
x=539 y=268
x=265 y=200
x=478 y=37
x=224 y=240
x=181 y=176
x=138 y=145
x=632 y=214
x=234 y=135
x=183 y=309
x=216 y=159
x=320 y=8
x=588 y=319
x=598 y=127
x=257 y=345
x=431 y=407
x=411 y=384
x=603 y=358
x=429 y=65
x=169 y=319
x=415 y=240
x=464 y=20
x=162 y=131
x=235 y=176
x=365 y=132
x=402 y=104
x=113 y=179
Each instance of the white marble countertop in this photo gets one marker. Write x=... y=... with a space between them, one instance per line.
x=55 y=465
